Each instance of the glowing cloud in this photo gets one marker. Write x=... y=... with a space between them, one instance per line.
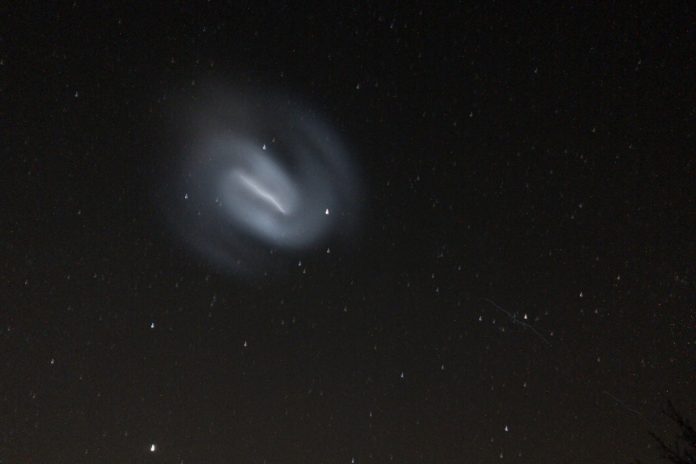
x=257 y=180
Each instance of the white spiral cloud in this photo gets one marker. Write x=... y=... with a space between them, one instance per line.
x=262 y=181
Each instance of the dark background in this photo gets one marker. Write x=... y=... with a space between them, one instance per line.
x=538 y=156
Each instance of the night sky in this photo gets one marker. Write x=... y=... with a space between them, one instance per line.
x=515 y=280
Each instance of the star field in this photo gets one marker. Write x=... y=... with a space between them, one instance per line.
x=506 y=274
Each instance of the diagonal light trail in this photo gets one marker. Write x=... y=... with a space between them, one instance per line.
x=261 y=192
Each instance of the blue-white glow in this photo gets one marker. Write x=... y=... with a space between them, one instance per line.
x=257 y=180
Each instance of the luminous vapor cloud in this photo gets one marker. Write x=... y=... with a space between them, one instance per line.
x=261 y=182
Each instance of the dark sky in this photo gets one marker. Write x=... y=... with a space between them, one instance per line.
x=520 y=286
